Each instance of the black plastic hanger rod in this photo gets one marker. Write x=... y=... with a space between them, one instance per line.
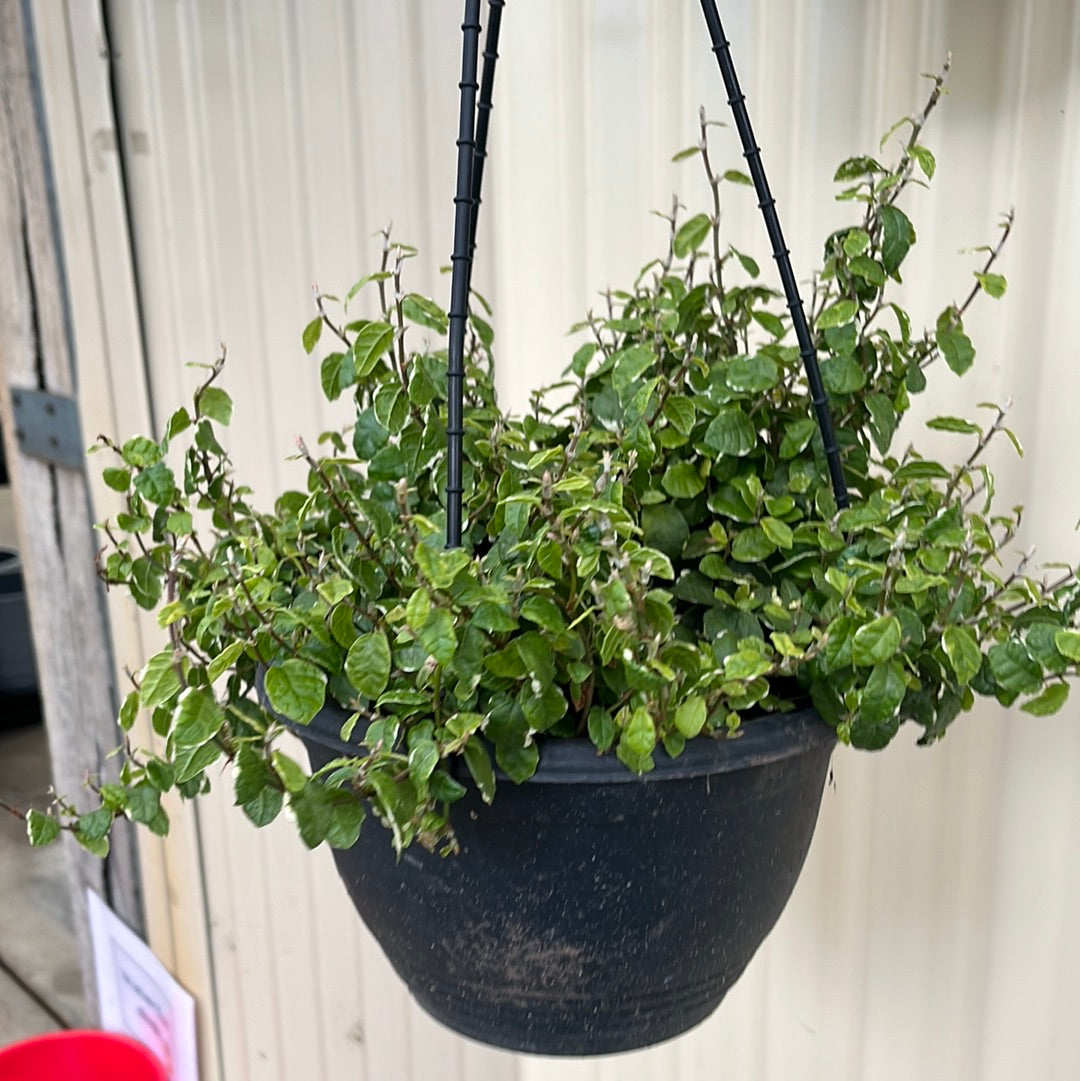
x=737 y=100
x=459 y=261
x=483 y=118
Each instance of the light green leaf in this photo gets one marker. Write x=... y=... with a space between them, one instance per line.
x=876 y=641
x=41 y=829
x=370 y=344
x=640 y=733
x=690 y=716
x=198 y=718
x=418 y=309
x=682 y=481
x=837 y=315
x=437 y=635
x=992 y=284
x=312 y=333
x=1068 y=644
x=1050 y=701
x=367 y=665
x=752 y=545
x=215 y=404
x=778 y=532
x=691 y=235
x=296 y=690
x=962 y=649
x=224 y=660
x=158 y=681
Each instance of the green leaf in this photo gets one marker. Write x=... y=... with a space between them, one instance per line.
x=731 y=432
x=690 y=716
x=870 y=270
x=265 y=806
x=897 y=237
x=752 y=545
x=691 y=235
x=96 y=846
x=883 y=421
x=926 y=160
x=224 y=660
x=883 y=693
x=962 y=649
x=479 y=763
x=41 y=829
x=437 y=635
x=312 y=333
x=630 y=364
x=682 y=481
x=337 y=371
x=369 y=345
x=215 y=404
x=314 y=814
x=1050 y=701
x=837 y=315
x=158 y=681
x=418 y=309
x=797 y=435
x=737 y=176
x=141 y=452
x=518 y=761
x=1068 y=644
x=992 y=284
x=854 y=168
x=856 y=242
x=746 y=664
x=778 y=532
x=544 y=612
x=956 y=348
x=680 y=413
x=117 y=479
x=954 y=424
x=198 y=718
x=156 y=484
x=296 y=690
x=752 y=374
x=293 y=775
x=1013 y=668
x=876 y=641
x=639 y=736
x=602 y=728
x=346 y=819
x=665 y=528
x=367 y=665
x=842 y=375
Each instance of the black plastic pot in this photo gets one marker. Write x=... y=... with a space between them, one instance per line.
x=592 y=911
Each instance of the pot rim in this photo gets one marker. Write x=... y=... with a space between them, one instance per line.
x=759 y=741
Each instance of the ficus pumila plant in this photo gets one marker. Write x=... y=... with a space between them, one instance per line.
x=652 y=553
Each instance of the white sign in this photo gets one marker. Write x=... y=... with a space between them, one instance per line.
x=138 y=997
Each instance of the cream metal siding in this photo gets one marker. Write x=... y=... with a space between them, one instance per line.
x=934 y=932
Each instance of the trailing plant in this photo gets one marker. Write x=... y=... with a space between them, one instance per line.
x=652 y=553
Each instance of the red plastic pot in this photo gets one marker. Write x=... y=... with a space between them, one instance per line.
x=80 y=1056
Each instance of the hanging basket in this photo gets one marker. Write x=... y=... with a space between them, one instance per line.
x=591 y=910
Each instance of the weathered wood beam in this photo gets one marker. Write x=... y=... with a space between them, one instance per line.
x=54 y=521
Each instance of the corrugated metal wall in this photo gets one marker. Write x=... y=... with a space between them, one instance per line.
x=933 y=934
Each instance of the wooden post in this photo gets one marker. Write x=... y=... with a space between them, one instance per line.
x=56 y=537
